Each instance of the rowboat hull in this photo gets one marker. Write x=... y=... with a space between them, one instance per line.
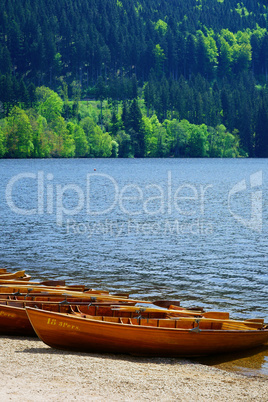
x=14 y=321
x=21 y=281
x=88 y=335
x=16 y=275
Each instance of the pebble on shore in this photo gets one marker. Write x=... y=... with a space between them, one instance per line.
x=32 y=371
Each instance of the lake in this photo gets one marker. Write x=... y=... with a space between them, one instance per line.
x=187 y=229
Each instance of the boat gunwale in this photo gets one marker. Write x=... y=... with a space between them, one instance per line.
x=135 y=326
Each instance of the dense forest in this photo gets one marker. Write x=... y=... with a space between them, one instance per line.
x=133 y=78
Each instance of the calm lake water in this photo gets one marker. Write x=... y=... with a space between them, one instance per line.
x=188 y=229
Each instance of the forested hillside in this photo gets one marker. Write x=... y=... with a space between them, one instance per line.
x=199 y=64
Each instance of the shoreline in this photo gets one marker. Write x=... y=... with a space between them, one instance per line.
x=32 y=371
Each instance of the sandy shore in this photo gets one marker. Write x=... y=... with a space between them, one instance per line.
x=31 y=371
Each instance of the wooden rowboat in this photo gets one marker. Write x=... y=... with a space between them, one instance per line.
x=14 y=319
x=14 y=322
x=100 y=295
x=21 y=281
x=15 y=275
x=149 y=337
x=51 y=284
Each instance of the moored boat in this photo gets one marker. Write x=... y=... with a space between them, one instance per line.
x=156 y=337
x=15 y=275
x=14 y=319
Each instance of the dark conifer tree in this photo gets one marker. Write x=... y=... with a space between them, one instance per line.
x=32 y=94
x=136 y=130
x=261 y=134
x=125 y=116
x=7 y=95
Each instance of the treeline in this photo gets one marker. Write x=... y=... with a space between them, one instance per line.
x=240 y=105
x=201 y=61
x=102 y=129
x=44 y=40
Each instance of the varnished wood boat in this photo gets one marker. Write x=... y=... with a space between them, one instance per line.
x=68 y=291
x=14 y=319
x=15 y=275
x=20 y=283
x=144 y=337
x=95 y=295
x=16 y=282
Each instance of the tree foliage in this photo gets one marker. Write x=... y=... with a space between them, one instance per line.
x=205 y=63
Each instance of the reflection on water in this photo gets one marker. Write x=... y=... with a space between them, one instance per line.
x=251 y=363
x=187 y=229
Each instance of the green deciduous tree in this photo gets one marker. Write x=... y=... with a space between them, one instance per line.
x=3 y=148
x=19 y=134
x=99 y=143
x=178 y=135
x=124 y=141
x=80 y=139
x=222 y=144
x=197 y=144
x=49 y=103
x=43 y=136
x=64 y=144
x=161 y=27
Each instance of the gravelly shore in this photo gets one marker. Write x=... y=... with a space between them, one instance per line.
x=31 y=371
